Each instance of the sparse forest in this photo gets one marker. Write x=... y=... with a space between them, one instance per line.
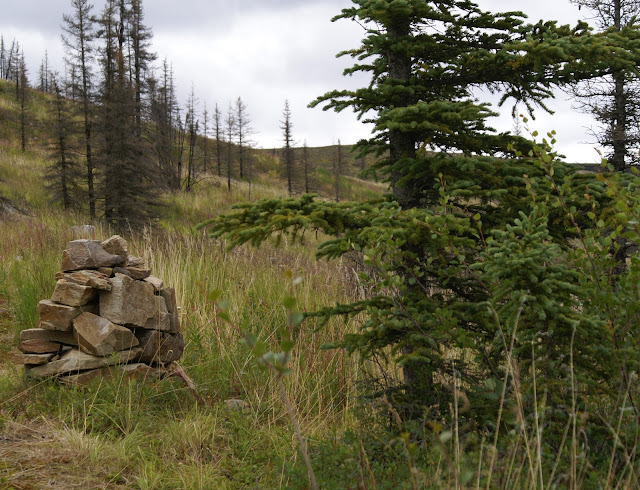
x=441 y=305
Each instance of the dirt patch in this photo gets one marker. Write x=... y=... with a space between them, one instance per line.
x=35 y=455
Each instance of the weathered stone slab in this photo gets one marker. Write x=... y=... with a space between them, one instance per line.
x=161 y=319
x=128 y=371
x=156 y=282
x=38 y=346
x=169 y=295
x=129 y=302
x=85 y=377
x=159 y=347
x=87 y=254
x=138 y=273
x=31 y=359
x=55 y=316
x=99 y=337
x=49 y=335
x=75 y=360
x=72 y=294
x=117 y=245
x=91 y=278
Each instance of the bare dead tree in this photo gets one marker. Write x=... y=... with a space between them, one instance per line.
x=613 y=100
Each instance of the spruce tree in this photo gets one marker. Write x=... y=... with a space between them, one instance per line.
x=455 y=182
x=128 y=176
x=78 y=38
x=63 y=170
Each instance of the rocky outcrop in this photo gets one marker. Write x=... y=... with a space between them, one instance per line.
x=107 y=316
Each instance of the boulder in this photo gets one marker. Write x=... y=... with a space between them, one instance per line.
x=54 y=316
x=129 y=302
x=87 y=254
x=107 y=271
x=117 y=245
x=75 y=360
x=169 y=295
x=38 y=346
x=94 y=279
x=161 y=319
x=49 y=335
x=31 y=359
x=159 y=347
x=72 y=294
x=99 y=337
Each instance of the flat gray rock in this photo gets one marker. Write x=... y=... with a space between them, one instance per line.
x=169 y=295
x=56 y=316
x=72 y=294
x=94 y=279
x=129 y=302
x=116 y=245
x=49 y=335
x=31 y=359
x=99 y=337
x=159 y=347
x=127 y=371
x=87 y=254
x=38 y=346
x=161 y=319
x=75 y=360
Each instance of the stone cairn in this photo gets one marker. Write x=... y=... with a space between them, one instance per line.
x=107 y=316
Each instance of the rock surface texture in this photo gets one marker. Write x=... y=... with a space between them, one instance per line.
x=107 y=317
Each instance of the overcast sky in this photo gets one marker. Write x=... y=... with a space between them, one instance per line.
x=268 y=50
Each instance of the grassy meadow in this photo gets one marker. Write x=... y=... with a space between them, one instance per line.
x=136 y=434
x=235 y=431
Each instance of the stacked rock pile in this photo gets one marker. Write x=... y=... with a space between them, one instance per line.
x=107 y=314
